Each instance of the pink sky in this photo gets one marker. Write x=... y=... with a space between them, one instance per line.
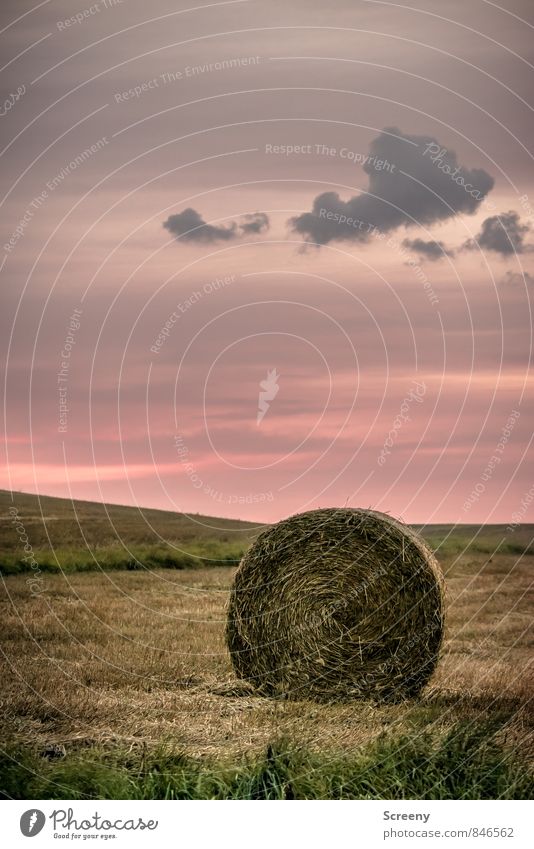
x=350 y=328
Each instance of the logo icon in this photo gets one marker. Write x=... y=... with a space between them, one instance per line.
x=32 y=822
x=268 y=392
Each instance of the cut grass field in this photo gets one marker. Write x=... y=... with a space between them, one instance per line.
x=117 y=684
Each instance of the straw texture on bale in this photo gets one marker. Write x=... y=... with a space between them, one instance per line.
x=335 y=604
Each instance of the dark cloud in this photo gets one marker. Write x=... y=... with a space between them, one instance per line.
x=412 y=180
x=516 y=278
x=189 y=226
x=431 y=250
x=258 y=222
x=503 y=234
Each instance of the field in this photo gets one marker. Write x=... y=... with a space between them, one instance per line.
x=73 y=536
x=117 y=683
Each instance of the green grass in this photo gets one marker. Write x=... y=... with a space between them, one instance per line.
x=118 y=557
x=79 y=536
x=478 y=539
x=466 y=763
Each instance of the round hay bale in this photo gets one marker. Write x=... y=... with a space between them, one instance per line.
x=335 y=604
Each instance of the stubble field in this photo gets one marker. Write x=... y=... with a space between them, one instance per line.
x=118 y=684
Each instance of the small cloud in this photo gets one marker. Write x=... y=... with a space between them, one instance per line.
x=257 y=222
x=516 y=278
x=431 y=250
x=504 y=234
x=189 y=226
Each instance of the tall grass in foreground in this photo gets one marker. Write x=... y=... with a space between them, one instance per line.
x=467 y=763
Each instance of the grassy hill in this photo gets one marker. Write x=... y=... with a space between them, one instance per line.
x=448 y=540
x=83 y=535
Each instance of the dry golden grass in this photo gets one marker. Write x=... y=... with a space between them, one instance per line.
x=139 y=658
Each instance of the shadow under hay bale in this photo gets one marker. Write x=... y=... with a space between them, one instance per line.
x=337 y=604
